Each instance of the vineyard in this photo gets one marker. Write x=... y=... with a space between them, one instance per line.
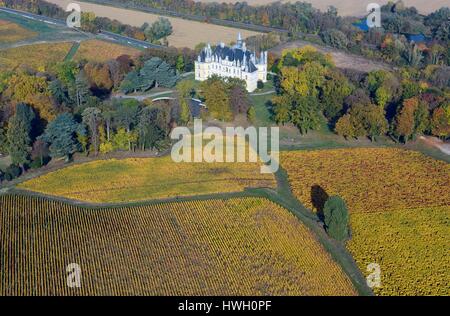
x=369 y=179
x=399 y=211
x=38 y=56
x=111 y=181
x=12 y=32
x=245 y=246
x=89 y=50
x=411 y=247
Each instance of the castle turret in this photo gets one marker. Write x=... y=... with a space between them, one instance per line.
x=239 y=41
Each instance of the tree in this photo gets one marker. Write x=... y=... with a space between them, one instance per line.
x=405 y=120
x=3 y=141
x=336 y=218
x=383 y=86
x=344 y=127
x=180 y=64
x=91 y=118
x=440 y=126
x=159 y=29
x=304 y=113
x=127 y=114
x=368 y=120
x=108 y=114
x=185 y=88
x=260 y=84
x=239 y=99
x=217 y=99
x=149 y=133
x=60 y=134
x=18 y=134
x=40 y=151
x=335 y=38
x=251 y=115
x=99 y=76
x=335 y=89
x=157 y=72
x=58 y=91
x=33 y=91
x=121 y=140
x=185 y=112
x=131 y=82
x=81 y=89
x=154 y=73
x=281 y=106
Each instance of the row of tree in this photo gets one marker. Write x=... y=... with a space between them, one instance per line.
x=115 y=125
x=312 y=91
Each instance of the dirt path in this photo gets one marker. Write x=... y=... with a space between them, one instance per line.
x=437 y=143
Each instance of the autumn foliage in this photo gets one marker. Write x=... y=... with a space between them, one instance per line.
x=244 y=246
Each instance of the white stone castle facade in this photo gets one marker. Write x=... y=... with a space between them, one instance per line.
x=235 y=62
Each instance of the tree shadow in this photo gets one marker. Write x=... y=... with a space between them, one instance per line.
x=318 y=198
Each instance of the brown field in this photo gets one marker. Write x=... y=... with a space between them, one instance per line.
x=185 y=33
x=37 y=56
x=352 y=7
x=12 y=32
x=245 y=246
x=90 y=50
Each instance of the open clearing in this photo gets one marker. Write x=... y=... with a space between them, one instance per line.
x=137 y=179
x=399 y=206
x=245 y=246
x=185 y=33
x=351 y=7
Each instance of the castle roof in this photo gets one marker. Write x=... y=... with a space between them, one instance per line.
x=237 y=53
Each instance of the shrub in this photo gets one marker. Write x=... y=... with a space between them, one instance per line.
x=251 y=114
x=106 y=147
x=336 y=218
x=12 y=172
x=260 y=84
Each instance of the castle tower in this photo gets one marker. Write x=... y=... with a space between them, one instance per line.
x=239 y=41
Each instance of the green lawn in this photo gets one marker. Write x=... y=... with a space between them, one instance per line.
x=261 y=104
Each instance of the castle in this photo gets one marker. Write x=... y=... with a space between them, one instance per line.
x=235 y=62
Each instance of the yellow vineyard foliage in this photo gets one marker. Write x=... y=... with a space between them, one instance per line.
x=369 y=179
x=37 y=56
x=12 y=32
x=138 y=179
x=411 y=246
x=399 y=204
x=90 y=49
x=245 y=246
